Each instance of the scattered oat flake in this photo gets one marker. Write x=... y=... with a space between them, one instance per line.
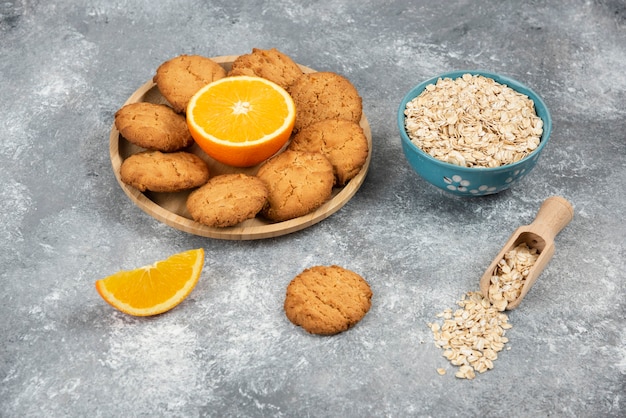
x=472 y=336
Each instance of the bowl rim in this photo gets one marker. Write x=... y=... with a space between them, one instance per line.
x=540 y=107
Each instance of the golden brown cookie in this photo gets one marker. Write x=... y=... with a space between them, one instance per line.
x=343 y=142
x=153 y=126
x=227 y=200
x=298 y=183
x=164 y=172
x=327 y=300
x=270 y=64
x=324 y=95
x=179 y=78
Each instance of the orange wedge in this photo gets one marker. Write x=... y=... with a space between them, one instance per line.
x=241 y=120
x=154 y=289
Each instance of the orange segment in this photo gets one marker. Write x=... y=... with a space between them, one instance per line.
x=241 y=120
x=154 y=289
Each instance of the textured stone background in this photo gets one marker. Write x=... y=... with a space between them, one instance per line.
x=228 y=350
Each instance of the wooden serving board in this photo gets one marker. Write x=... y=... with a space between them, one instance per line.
x=170 y=208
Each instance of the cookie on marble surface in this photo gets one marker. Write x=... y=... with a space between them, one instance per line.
x=164 y=172
x=324 y=95
x=343 y=142
x=270 y=64
x=179 y=78
x=227 y=199
x=153 y=126
x=298 y=182
x=327 y=300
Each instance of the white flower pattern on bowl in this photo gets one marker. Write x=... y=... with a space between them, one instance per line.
x=456 y=183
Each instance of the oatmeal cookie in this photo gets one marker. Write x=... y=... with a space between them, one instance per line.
x=343 y=142
x=179 y=78
x=270 y=64
x=298 y=182
x=153 y=126
x=327 y=300
x=164 y=172
x=227 y=200
x=324 y=95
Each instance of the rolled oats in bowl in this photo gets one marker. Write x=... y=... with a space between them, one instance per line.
x=473 y=133
x=473 y=121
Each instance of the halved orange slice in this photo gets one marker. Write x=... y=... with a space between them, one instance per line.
x=241 y=120
x=154 y=289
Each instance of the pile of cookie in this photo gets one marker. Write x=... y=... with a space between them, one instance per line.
x=327 y=149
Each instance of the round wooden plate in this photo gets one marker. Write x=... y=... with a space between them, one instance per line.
x=170 y=208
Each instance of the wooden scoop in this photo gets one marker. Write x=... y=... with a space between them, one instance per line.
x=554 y=214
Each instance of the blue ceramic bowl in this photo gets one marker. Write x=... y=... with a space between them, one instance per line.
x=472 y=181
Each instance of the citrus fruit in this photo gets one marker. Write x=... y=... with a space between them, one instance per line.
x=154 y=289
x=241 y=120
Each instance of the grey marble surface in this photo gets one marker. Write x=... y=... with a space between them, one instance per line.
x=228 y=350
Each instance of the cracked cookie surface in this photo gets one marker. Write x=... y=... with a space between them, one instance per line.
x=179 y=78
x=227 y=200
x=164 y=172
x=270 y=64
x=153 y=126
x=343 y=142
x=298 y=183
x=324 y=95
x=327 y=300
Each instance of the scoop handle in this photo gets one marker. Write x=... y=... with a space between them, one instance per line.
x=553 y=215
